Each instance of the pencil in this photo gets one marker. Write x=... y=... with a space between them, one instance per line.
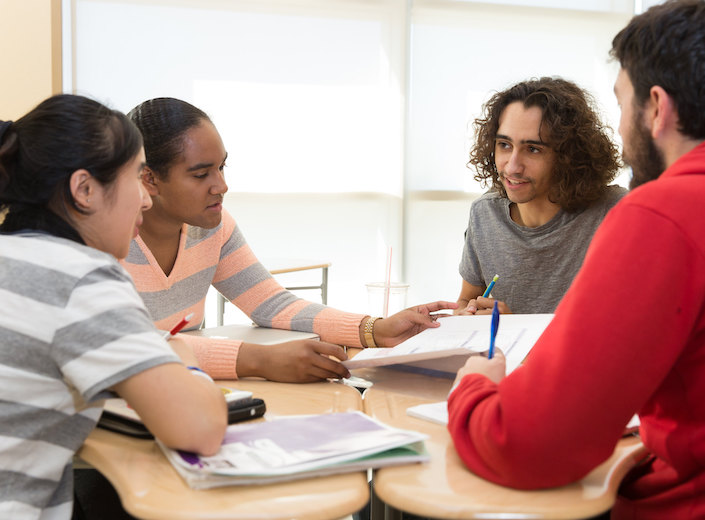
x=490 y=286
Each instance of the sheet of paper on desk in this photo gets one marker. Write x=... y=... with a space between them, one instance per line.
x=297 y=447
x=434 y=412
x=445 y=348
x=438 y=413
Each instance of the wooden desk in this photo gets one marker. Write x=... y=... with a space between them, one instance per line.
x=150 y=488
x=445 y=488
x=288 y=266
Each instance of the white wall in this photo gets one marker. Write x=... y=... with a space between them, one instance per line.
x=346 y=121
x=463 y=52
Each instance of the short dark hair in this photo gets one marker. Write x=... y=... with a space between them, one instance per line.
x=665 y=46
x=586 y=158
x=40 y=151
x=163 y=123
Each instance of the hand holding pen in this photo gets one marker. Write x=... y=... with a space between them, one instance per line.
x=493 y=366
x=484 y=304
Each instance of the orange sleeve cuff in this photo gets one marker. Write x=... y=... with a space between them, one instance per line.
x=217 y=357
x=334 y=326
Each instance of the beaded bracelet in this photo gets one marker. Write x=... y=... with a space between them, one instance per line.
x=369 y=333
x=199 y=372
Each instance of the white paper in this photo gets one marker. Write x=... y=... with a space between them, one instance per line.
x=434 y=412
x=457 y=338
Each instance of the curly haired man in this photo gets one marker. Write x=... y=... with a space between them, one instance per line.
x=549 y=162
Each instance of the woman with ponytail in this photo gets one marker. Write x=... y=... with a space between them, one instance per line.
x=74 y=330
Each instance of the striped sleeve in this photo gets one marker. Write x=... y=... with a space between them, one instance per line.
x=243 y=280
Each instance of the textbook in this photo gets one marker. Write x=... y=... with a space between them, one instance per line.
x=299 y=446
x=445 y=349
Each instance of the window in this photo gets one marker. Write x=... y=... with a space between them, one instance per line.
x=347 y=122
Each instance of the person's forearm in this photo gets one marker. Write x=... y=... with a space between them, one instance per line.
x=250 y=360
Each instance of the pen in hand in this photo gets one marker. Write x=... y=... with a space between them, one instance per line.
x=176 y=328
x=494 y=326
x=490 y=286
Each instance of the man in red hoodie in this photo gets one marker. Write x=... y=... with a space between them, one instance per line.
x=629 y=335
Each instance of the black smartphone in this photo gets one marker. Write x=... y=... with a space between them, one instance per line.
x=242 y=411
x=130 y=424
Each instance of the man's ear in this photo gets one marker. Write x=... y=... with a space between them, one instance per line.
x=662 y=113
x=83 y=187
x=150 y=181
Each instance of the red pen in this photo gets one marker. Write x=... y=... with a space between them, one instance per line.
x=178 y=327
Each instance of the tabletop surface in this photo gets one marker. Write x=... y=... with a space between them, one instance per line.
x=445 y=488
x=288 y=265
x=150 y=488
x=442 y=488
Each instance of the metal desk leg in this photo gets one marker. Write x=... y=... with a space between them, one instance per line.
x=324 y=286
x=221 y=309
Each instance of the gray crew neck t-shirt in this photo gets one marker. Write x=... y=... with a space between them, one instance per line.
x=535 y=265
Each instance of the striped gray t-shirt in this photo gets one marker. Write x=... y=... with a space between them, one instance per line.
x=71 y=326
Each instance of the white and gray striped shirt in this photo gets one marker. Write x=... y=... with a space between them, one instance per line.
x=71 y=326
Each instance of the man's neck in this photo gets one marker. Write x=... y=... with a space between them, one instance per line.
x=675 y=148
x=533 y=214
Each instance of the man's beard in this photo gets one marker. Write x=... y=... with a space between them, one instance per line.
x=647 y=163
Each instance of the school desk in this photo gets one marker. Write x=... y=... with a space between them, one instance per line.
x=150 y=488
x=445 y=488
x=284 y=267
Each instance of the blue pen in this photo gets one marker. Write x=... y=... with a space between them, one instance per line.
x=489 y=287
x=494 y=326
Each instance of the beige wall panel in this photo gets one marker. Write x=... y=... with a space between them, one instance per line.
x=30 y=54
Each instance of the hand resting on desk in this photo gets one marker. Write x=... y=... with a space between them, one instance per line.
x=300 y=361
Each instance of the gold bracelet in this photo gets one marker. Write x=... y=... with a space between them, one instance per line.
x=369 y=333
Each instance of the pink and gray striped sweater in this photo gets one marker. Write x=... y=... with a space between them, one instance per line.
x=222 y=258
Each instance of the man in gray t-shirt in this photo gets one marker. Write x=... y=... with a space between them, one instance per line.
x=549 y=161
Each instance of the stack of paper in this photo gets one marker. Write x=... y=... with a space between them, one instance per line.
x=295 y=447
x=446 y=348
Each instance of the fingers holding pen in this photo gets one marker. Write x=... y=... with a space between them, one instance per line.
x=482 y=305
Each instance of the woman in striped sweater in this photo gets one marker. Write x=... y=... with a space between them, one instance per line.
x=189 y=242
x=74 y=330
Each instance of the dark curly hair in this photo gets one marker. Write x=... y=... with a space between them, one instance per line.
x=665 y=46
x=586 y=158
